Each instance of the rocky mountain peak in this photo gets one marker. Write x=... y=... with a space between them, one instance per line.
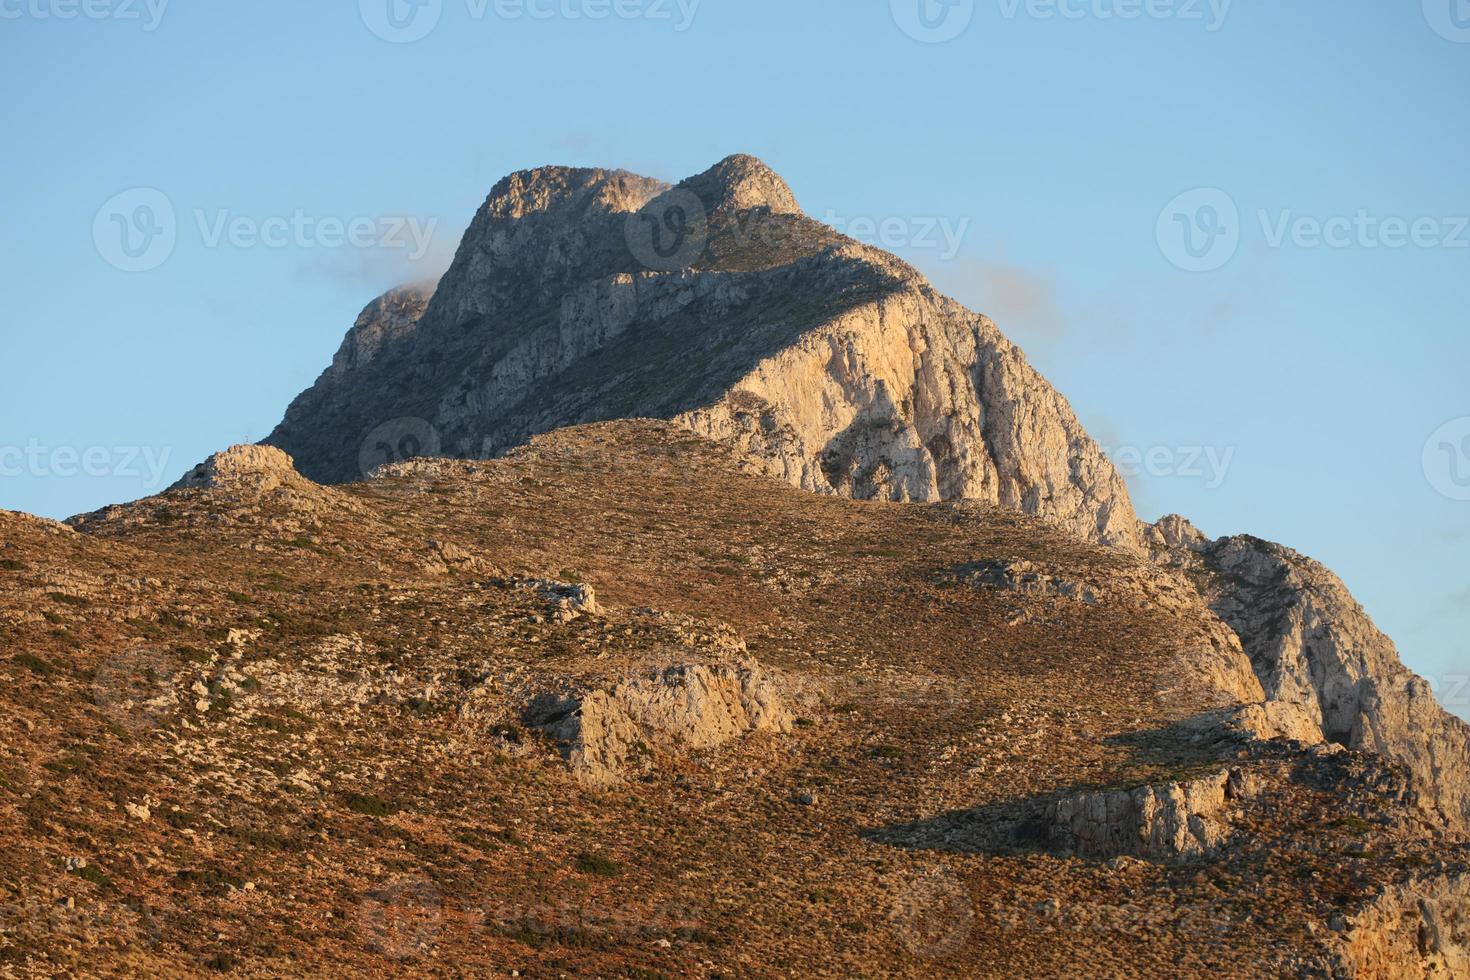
x=569 y=192
x=740 y=182
x=582 y=295
x=256 y=468
x=588 y=295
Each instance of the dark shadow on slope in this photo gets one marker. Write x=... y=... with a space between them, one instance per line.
x=1190 y=749
x=654 y=369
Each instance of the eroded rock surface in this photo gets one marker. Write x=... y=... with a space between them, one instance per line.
x=580 y=294
x=1320 y=658
x=689 y=706
x=256 y=468
x=1168 y=821
x=1418 y=928
x=306 y=699
x=1026 y=578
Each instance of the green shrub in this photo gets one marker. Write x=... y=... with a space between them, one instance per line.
x=369 y=805
x=34 y=664
x=598 y=864
x=93 y=874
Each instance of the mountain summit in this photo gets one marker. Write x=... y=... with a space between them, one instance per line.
x=584 y=295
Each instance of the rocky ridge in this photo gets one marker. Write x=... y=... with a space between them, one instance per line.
x=1318 y=654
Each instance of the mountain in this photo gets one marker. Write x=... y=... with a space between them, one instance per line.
x=613 y=705
x=678 y=588
x=584 y=295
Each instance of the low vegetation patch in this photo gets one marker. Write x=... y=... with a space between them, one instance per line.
x=371 y=805
x=34 y=664
x=590 y=863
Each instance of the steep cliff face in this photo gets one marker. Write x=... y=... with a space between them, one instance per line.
x=1312 y=645
x=912 y=397
x=582 y=295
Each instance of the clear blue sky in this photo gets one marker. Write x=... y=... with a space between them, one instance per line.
x=1054 y=143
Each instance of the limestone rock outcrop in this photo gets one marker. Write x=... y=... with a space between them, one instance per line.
x=580 y=295
x=1320 y=658
x=1269 y=720
x=566 y=601
x=1418 y=928
x=1172 y=821
x=384 y=321
x=259 y=469
x=687 y=706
